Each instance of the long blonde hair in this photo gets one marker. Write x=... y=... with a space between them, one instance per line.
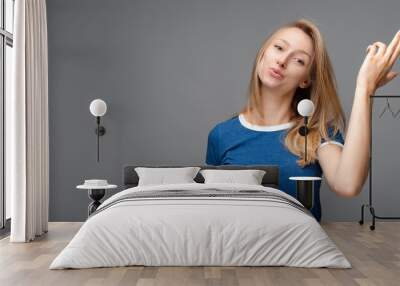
x=322 y=92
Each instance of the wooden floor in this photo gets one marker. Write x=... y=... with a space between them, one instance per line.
x=374 y=255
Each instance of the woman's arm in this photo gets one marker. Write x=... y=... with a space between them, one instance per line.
x=347 y=169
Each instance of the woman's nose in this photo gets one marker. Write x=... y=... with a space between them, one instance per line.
x=282 y=61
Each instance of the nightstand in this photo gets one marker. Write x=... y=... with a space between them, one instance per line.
x=96 y=191
x=305 y=189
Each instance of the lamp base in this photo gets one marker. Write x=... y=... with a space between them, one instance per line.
x=303 y=131
x=101 y=130
x=96 y=195
x=305 y=193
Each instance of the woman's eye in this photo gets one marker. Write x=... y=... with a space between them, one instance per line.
x=278 y=47
x=300 y=62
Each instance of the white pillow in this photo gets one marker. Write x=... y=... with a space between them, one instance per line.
x=250 y=177
x=161 y=176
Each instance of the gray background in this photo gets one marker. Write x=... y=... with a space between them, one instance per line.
x=170 y=70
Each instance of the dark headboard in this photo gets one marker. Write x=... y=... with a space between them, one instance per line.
x=271 y=178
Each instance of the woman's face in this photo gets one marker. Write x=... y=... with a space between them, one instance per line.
x=286 y=62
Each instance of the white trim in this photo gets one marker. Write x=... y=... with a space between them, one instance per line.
x=305 y=178
x=330 y=142
x=91 y=187
x=255 y=127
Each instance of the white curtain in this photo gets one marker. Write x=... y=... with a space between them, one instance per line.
x=27 y=123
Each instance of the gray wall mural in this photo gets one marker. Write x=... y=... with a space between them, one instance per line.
x=170 y=70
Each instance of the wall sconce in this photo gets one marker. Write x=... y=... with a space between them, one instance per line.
x=98 y=108
x=305 y=109
x=305 y=184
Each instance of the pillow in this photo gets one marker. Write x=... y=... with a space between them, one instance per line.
x=161 y=176
x=250 y=177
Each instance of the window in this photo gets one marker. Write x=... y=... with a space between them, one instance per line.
x=6 y=56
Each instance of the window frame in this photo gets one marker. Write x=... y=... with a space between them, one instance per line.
x=6 y=39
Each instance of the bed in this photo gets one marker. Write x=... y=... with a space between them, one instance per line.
x=201 y=224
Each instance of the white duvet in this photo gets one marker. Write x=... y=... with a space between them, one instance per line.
x=200 y=231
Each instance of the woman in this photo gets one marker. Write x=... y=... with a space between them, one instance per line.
x=293 y=64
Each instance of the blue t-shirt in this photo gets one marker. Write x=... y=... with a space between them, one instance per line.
x=237 y=142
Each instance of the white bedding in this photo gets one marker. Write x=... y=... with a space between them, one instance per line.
x=200 y=231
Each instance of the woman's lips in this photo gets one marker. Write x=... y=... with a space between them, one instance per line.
x=274 y=74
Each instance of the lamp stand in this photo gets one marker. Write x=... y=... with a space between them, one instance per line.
x=100 y=131
x=303 y=132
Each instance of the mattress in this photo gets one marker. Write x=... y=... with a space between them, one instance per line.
x=199 y=224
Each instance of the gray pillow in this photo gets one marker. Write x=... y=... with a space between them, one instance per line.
x=161 y=176
x=249 y=177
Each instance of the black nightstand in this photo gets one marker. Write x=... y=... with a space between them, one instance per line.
x=305 y=189
x=96 y=193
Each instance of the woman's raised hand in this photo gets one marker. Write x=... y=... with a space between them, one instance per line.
x=376 y=68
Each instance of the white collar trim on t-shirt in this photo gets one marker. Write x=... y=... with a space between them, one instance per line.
x=255 y=127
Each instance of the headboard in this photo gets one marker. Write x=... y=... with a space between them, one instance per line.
x=271 y=178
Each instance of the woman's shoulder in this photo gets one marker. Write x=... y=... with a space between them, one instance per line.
x=227 y=123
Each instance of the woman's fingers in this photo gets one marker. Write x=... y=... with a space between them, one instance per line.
x=389 y=54
x=380 y=48
x=371 y=50
x=393 y=45
x=376 y=68
x=393 y=51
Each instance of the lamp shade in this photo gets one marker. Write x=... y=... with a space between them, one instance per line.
x=305 y=107
x=98 y=107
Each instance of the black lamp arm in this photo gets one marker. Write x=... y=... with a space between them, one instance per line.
x=303 y=132
x=100 y=131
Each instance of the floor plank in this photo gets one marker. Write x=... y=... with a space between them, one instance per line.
x=374 y=255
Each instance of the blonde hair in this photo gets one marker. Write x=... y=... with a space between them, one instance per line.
x=322 y=92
